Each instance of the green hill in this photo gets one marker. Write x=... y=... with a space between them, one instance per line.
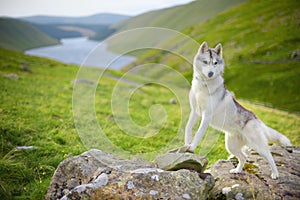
x=176 y=18
x=259 y=39
x=19 y=35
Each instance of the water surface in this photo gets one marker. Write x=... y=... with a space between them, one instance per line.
x=78 y=51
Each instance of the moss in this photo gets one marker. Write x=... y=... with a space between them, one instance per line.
x=251 y=168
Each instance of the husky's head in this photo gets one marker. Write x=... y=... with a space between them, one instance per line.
x=208 y=63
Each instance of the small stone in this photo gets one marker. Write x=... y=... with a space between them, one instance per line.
x=295 y=54
x=19 y=148
x=82 y=81
x=226 y=190
x=25 y=68
x=155 y=177
x=186 y=196
x=173 y=101
x=176 y=161
x=239 y=196
x=130 y=185
x=153 y=192
x=12 y=76
x=102 y=180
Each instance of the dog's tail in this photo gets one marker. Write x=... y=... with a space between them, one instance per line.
x=275 y=136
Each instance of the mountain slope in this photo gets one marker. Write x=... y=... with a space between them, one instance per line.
x=102 y=18
x=19 y=35
x=176 y=18
x=259 y=38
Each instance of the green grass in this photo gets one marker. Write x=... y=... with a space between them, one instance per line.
x=36 y=109
x=19 y=35
x=258 y=38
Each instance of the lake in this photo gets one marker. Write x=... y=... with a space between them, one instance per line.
x=78 y=51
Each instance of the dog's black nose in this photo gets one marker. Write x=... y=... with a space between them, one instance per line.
x=210 y=74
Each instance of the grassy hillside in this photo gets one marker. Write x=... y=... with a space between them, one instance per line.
x=36 y=110
x=176 y=18
x=18 y=35
x=259 y=38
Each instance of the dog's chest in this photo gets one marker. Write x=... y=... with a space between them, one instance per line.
x=202 y=96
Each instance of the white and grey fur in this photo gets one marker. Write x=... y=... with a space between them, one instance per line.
x=210 y=100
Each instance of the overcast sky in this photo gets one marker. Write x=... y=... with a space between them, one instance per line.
x=17 y=8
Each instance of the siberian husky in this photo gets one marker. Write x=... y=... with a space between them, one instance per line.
x=210 y=100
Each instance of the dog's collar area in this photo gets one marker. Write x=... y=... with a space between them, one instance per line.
x=205 y=83
x=204 y=79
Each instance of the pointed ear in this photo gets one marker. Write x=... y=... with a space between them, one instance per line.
x=203 y=47
x=218 y=49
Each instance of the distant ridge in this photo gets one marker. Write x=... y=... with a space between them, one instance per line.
x=102 y=18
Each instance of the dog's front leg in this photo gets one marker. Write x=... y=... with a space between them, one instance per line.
x=201 y=130
x=189 y=127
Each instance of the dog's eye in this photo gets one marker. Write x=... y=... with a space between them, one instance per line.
x=205 y=62
x=215 y=63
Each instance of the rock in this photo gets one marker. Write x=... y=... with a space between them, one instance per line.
x=151 y=183
x=20 y=148
x=12 y=76
x=25 y=68
x=175 y=161
x=82 y=169
x=82 y=81
x=99 y=175
x=296 y=55
x=173 y=101
x=255 y=181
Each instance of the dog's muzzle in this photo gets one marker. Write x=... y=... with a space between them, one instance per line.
x=210 y=74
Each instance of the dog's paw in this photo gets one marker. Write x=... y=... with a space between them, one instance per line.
x=274 y=176
x=235 y=171
x=185 y=148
